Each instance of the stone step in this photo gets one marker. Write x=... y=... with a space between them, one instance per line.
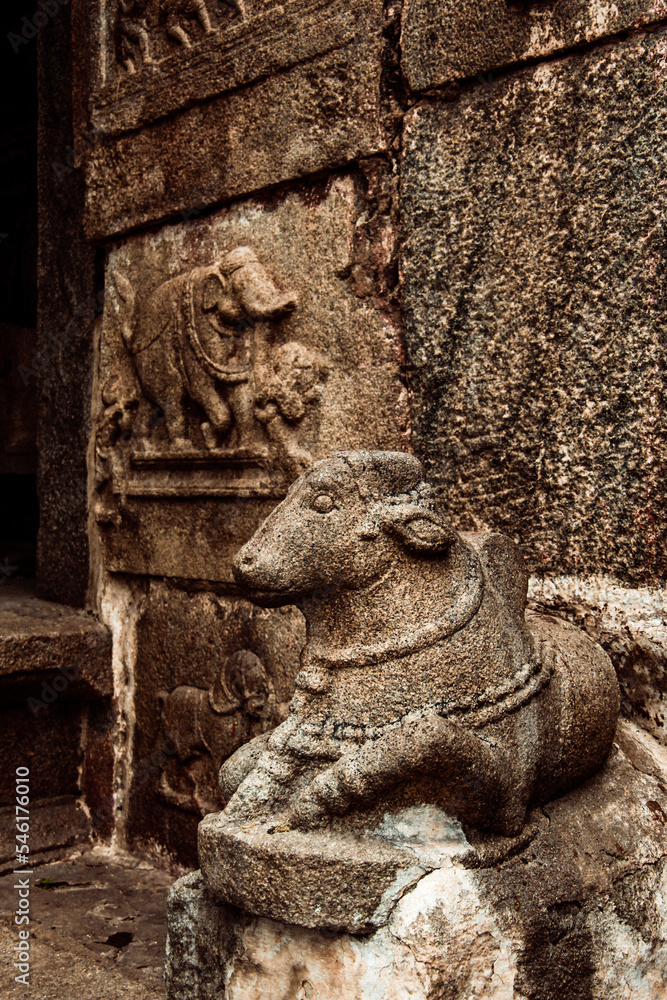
x=39 y=637
x=56 y=721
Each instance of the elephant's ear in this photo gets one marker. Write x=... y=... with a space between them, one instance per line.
x=212 y=292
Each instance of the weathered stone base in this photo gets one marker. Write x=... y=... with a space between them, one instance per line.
x=349 y=879
x=578 y=913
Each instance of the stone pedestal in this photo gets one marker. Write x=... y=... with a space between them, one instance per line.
x=578 y=911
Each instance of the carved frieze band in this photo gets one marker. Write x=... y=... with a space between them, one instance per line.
x=158 y=55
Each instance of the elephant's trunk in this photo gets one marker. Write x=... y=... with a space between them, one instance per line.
x=257 y=295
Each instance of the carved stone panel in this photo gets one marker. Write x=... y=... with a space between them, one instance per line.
x=453 y=40
x=210 y=673
x=194 y=101
x=534 y=275
x=234 y=353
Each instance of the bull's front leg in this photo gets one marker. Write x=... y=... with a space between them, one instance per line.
x=257 y=778
x=474 y=779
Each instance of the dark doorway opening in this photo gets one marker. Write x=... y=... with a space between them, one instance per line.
x=18 y=287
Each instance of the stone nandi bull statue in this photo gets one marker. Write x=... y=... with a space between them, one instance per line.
x=422 y=680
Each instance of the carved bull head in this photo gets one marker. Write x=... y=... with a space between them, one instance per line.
x=340 y=526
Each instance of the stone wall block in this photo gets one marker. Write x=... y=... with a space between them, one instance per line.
x=534 y=270
x=445 y=42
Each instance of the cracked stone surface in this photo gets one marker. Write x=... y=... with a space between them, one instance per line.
x=579 y=913
x=97 y=929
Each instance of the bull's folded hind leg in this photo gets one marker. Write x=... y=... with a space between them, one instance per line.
x=265 y=789
x=237 y=767
x=469 y=776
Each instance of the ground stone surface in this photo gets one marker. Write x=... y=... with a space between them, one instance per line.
x=578 y=913
x=97 y=931
x=533 y=269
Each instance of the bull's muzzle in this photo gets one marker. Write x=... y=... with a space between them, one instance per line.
x=255 y=580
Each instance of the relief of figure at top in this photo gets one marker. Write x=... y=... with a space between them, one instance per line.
x=178 y=12
x=145 y=27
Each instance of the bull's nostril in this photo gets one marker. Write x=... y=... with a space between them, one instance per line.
x=245 y=560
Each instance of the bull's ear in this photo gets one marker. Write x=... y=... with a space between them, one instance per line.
x=211 y=292
x=419 y=528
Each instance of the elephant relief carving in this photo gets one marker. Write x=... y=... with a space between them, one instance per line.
x=206 y=378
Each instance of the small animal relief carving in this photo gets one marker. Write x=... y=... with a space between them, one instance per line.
x=423 y=679
x=292 y=386
x=205 y=726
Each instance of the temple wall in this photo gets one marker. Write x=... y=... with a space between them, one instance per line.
x=463 y=204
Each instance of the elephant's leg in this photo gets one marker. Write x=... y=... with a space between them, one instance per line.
x=217 y=410
x=174 y=414
x=242 y=402
x=476 y=779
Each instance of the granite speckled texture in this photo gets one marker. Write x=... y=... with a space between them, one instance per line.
x=533 y=269
x=449 y=41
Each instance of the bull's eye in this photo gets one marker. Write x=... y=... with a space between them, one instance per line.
x=323 y=503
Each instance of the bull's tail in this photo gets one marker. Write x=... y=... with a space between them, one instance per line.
x=126 y=308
